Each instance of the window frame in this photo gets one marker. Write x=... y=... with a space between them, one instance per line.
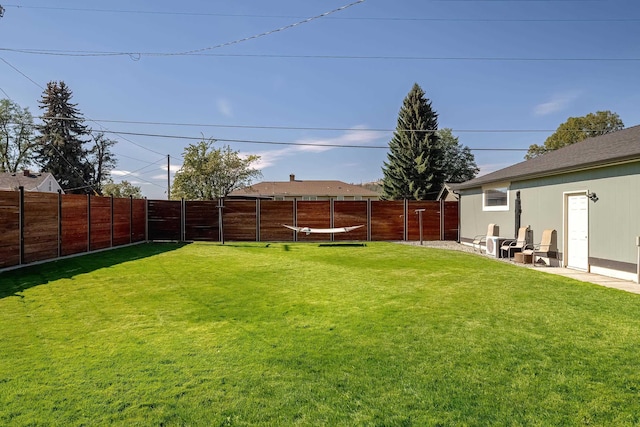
x=499 y=187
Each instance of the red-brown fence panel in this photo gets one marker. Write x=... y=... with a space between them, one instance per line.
x=201 y=221
x=314 y=214
x=40 y=226
x=387 y=220
x=430 y=220
x=100 y=222
x=139 y=225
x=9 y=228
x=75 y=224
x=121 y=222
x=239 y=220
x=165 y=219
x=273 y=214
x=348 y=213
x=451 y=220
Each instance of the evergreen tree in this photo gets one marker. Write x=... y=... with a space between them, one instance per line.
x=62 y=138
x=413 y=169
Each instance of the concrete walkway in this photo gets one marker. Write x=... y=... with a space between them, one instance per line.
x=583 y=276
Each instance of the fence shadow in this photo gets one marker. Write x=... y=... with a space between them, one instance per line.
x=14 y=281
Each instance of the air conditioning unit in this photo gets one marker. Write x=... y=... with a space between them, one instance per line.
x=493 y=246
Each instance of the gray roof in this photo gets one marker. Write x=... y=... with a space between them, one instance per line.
x=31 y=181
x=615 y=147
x=299 y=188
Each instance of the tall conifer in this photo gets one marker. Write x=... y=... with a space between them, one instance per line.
x=62 y=138
x=413 y=169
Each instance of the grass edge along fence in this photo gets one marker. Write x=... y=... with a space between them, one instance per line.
x=37 y=227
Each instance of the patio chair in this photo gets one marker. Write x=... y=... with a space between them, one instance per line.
x=547 y=248
x=492 y=230
x=516 y=245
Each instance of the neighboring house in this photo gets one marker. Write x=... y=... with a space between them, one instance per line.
x=589 y=192
x=39 y=182
x=304 y=190
x=447 y=194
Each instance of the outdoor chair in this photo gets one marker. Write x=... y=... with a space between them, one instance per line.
x=547 y=248
x=516 y=245
x=492 y=230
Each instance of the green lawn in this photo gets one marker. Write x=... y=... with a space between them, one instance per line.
x=305 y=334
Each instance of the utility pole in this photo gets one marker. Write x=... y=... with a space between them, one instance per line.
x=168 y=177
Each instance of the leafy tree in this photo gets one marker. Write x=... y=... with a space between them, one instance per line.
x=577 y=129
x=101 y=160
x=62 y=139
x=209 y=173
x=121 y=189
x=459 y=164
x=413 y=169
x=17 y=141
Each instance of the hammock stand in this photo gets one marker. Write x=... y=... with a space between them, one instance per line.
x=309 y=230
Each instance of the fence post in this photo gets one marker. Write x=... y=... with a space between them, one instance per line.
x=406 y=220
x=258 y=220
x=88 y=222
x=21 y=220
x=183 y=221
x=220 y=222
x=59 y=223
x=295 y=218
x=368 y=220
x=331 y=216
x=112 y=218
x=130 y=219
x=442 y=220
x=146 y=220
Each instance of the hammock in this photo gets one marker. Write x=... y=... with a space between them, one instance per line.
x=310 y=230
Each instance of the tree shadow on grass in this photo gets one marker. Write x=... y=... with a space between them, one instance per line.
x=18 y=280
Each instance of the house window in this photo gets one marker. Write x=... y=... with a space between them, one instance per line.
x=495 y=199
x=357 y=197
x=339 y=197
x=309 y=197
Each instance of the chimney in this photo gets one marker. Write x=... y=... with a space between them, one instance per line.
x=26 y=172
x=292 y=177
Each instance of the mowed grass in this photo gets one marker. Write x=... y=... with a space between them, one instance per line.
x=303 y=334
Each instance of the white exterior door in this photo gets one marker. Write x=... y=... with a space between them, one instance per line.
x=578 y=232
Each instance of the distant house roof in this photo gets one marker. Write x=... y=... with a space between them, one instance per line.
x=612 y=148
x=300 y=188
x=11 y=181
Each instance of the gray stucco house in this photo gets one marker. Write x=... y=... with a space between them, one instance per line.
x=589 y=192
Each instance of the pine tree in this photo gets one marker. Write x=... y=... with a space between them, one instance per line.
x=61 y=140
x=413 y=169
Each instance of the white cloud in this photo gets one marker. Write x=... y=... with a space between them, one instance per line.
x=557 y=103
x=353 y=137
x=224 y=107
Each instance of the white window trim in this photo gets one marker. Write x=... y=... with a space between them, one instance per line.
x=502 y=185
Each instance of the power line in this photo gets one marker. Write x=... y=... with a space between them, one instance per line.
x=87 y=118
x=137 y=55
x=299 y=144
x=319 y=128
x=349 y=18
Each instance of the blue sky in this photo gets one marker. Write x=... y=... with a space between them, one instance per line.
x=502 y=74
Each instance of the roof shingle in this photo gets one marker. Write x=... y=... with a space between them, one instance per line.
x=615 y=147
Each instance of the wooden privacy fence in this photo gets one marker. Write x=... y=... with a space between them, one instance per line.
x=43 y=226
x=262 y=220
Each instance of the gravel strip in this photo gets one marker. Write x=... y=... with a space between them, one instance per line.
x=439 y=244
